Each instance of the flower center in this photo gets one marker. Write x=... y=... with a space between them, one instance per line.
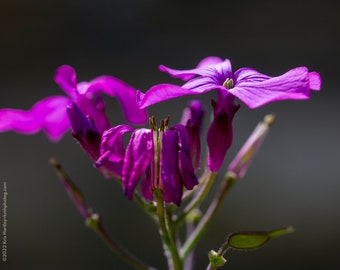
x=228 y=83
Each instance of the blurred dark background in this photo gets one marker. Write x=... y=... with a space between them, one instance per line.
x=293 y=181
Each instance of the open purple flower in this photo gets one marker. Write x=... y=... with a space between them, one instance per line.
x=163 y=156
x=250 y=86
x=49 y=114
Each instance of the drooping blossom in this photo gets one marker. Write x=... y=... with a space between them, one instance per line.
x=98 y=145
x=250 y=86
x=220 y=132
x=192 y=119
x=49 y=115
x=162 y=156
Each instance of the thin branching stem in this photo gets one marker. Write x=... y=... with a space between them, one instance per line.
x=94 y=222
x=200 y=195
x=191 y=242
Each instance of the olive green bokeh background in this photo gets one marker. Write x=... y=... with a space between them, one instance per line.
x=293 y=181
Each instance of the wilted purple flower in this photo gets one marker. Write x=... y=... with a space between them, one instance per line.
x=50 y=115
x=99 y=146
x=220 y=132
x=192 y=119
x=84 y=130
x=250 y=86
x=162 y=155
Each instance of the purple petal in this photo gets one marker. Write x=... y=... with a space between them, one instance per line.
x=159 y=93
x=146 y=186
x=65 y=77
x=186 y=168
x=48 y=115
x=138 y=155
x=202 y=85
x=209 y=61
x=314 y=81
x=92 y=104
x=125 y=94
x=190 y=73
x=79 y=122
x=192 y=118
x=112 y=150
x=256 y=89
x=220 y=133
x=171 y=180
x=112 y=144
x=84 y=131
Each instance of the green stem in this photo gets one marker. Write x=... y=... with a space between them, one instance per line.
x=94 y=222
x=191 y=242
x=199 y=196
x=174 y=260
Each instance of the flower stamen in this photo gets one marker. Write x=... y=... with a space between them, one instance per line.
x=228 y=83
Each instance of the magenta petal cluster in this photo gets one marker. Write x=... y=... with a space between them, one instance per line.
x=250 y=86
x=49 y=114
x=175 y=169
x=163 y=157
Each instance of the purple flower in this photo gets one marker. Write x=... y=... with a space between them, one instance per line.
x=250 y=86
x=98 y=146
x=49 y=114
x=163 y=156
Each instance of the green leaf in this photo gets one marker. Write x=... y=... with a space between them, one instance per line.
x=251 y=240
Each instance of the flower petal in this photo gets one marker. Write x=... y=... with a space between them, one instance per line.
x=190 y=73
x=209 y=61
x=314 y=81
x=220 y=133
x=146 y=185
x=112 y=145
x=48 y=115
x=125 y=94
x=84 y=131
x=170 y=177
x=256 y=89
x=202 y=85
x=66 y=78
x=112 y=150
x=137 y=157
x=92 y=104
x=159 y=93
x=192 y=118
x=185 y=164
